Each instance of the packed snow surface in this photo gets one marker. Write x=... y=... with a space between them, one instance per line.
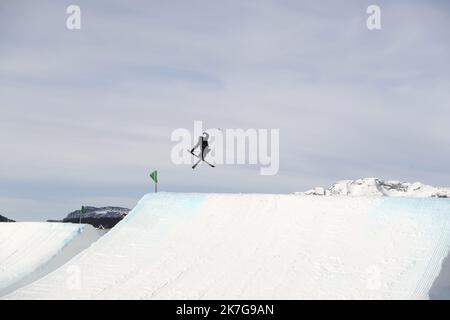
x=26 y=247
x=378 y=187
x=242 y=246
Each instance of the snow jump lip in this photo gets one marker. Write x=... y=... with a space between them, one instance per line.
x=30 y=250
x=262 y=246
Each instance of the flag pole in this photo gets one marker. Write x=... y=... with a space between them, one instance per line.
x=82 y=212
x=154 y=176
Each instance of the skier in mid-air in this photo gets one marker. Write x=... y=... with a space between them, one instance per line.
x=204 y=149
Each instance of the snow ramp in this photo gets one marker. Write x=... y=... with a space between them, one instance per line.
x=29 y=250
x=256 y=246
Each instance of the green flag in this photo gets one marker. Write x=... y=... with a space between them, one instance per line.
x=82 y=211
x=154 y=176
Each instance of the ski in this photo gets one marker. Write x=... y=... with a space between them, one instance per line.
x=193 y=167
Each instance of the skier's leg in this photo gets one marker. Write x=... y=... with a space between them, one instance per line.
x=198 y=144
x=205 y=151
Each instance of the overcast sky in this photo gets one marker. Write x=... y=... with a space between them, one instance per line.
x=86 y=114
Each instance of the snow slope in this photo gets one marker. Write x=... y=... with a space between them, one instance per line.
x=27 y=249
x=242 y=246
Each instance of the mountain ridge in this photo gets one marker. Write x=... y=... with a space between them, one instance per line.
x=379 y=188
x=5 y=219
x=99 y=217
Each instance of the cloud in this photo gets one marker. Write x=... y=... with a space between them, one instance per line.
x=86 y=114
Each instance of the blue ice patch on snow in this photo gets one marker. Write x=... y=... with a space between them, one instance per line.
x=75 y=232
x=431 y=218
x=161 y=212
x=171 y=204
x=433 y=212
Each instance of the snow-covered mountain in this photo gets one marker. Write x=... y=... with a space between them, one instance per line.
x=106 y=217
x=5 y=219
x=377 y=187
